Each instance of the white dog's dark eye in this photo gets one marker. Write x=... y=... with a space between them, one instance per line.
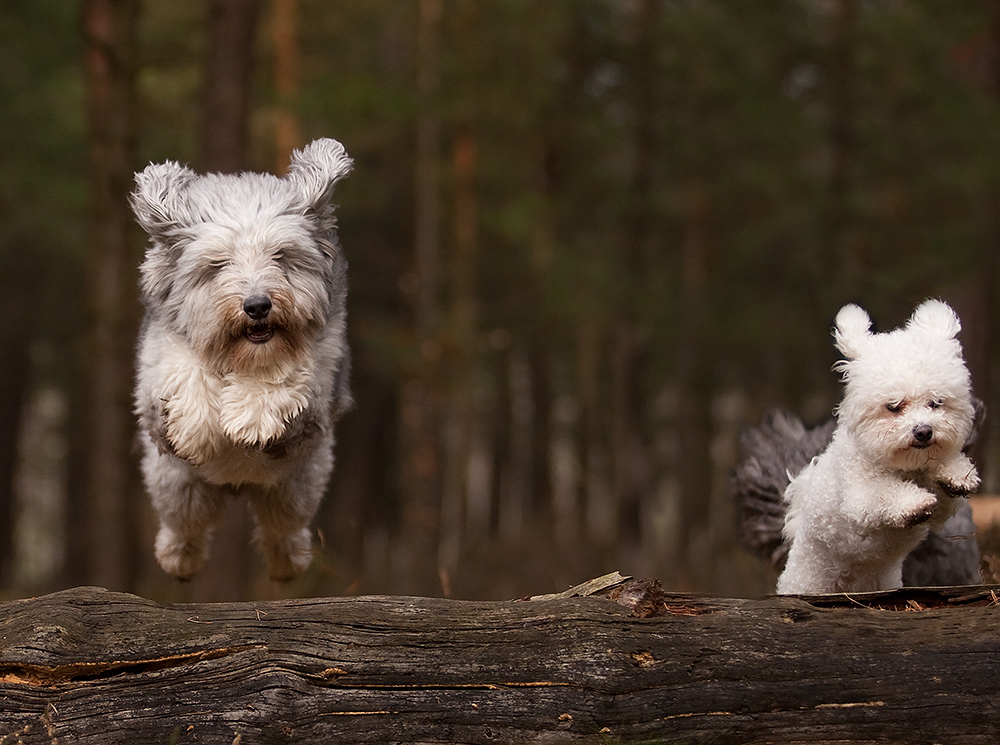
x=895 y=407
x=936 y=403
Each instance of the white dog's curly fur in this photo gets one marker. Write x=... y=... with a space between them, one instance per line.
x=895 y=466
x=242 y=362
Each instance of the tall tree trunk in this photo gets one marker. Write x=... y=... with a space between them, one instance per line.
x=14 y=380
x=232 y=31
x=422 y=457
x=286 y=80
x=989 y=276
x=500 y=429
x=629 y=449
x=228 y=68
x=461 y=411
x=631 y=467
x=694 y=377
x=589 y=430
x=541 y=508
x=845 y=263
x=109 y=36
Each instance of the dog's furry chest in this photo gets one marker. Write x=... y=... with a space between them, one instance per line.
x=224 y=423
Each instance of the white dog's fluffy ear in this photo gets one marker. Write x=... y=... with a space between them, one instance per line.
x=936 y=318
x=317 y=168
x=157 y=196
x=853 y=328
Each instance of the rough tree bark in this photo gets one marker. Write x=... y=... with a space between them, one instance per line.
x=916 y=665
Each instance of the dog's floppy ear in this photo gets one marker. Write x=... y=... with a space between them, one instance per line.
x=157 y=197
x=853 y=327
x=158 y=203
x=937 y=318
x=317 y=168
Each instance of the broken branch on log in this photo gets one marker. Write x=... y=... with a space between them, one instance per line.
x=913 y=665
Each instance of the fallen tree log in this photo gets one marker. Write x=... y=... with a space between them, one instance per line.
x=915 y=665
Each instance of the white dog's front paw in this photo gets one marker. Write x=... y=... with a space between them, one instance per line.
x=918 y=516
x=289 y=556
x=959 y=479
x=915 y=511
x=177 y=556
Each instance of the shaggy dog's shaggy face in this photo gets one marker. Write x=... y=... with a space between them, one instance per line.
x=895 y=465
x=242 y=361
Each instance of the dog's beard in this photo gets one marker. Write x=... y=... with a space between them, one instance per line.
x=895 y=447
x=234 y=342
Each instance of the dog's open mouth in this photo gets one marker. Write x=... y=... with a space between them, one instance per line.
x=259 y=334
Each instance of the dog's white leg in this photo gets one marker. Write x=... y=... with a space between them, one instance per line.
x=283 y=531
x=886 y=501
x=188 y=509
x=284 y=512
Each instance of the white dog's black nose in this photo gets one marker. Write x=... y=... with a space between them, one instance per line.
x=923 y=433
x=257 y=307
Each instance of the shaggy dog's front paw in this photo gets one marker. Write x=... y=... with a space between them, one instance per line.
x=179 y=557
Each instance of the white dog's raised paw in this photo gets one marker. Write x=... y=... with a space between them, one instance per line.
x=963 y=486
x=177 y=556
x=958 y=477
x=918 y=516
x=953 y=490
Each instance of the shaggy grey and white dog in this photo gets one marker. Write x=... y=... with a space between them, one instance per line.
x=242 y=361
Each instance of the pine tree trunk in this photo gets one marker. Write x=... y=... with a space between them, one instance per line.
x=461 y=412
x=632 y=472
x=286 y=80
x=112 y=260
x=421 y=408
x=232 y=33
x=694 y=419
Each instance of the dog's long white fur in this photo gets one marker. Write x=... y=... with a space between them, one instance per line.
x=230 y=404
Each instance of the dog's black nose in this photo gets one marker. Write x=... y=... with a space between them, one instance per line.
x=923 y=433
x=257 y=307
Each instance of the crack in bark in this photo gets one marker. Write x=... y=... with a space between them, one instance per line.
x=81 y=672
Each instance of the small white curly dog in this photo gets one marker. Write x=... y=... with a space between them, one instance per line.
x=895 y=466
x=242 y=362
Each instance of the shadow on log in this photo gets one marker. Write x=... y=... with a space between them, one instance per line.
x=915 y=665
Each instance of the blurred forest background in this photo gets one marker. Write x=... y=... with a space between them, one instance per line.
x=588 y=242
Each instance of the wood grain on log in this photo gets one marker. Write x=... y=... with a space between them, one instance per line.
x=90 y=666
